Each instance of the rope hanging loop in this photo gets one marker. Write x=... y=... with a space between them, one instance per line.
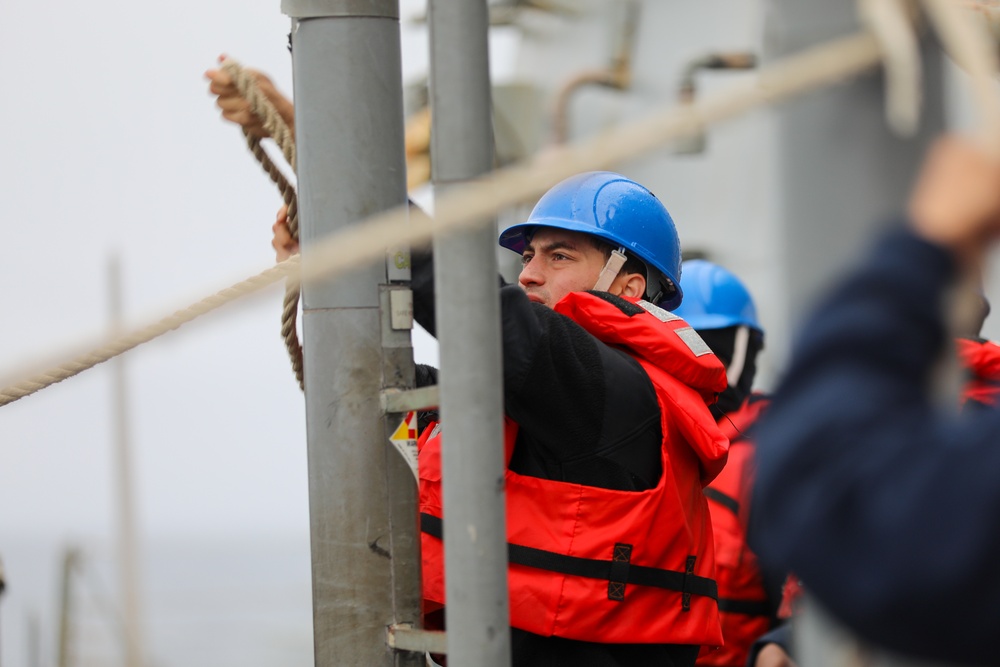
x=274 y=124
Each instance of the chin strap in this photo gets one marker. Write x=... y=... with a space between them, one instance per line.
x=740 y=344
x=610 y=271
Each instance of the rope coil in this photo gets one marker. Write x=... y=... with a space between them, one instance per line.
x=275 y=125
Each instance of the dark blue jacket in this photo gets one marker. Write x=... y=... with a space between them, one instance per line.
x=884 y=501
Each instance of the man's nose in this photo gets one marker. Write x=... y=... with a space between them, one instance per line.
x=530 y=273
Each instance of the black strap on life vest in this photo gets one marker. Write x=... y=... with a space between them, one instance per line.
x=618 y=572
x=726 y=501
x=746 y=607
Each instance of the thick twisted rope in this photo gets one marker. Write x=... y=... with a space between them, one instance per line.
x=115 y=346
x=477 y=201
x=472 y=203
x=275 y=125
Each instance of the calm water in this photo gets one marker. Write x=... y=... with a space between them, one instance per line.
x=215 y=602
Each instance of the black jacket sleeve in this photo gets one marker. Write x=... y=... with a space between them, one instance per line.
x=884 y=502
x=587 y=412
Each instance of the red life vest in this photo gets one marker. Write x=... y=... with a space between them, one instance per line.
x=981 y=359
x=600 y=565
x=743 y=601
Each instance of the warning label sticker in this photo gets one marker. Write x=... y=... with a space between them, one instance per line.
x=404 y=439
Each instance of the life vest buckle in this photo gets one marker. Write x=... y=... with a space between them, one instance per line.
x=686 y=591
x=619 y=572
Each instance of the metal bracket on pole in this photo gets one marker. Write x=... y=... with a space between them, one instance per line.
x=404 y=637
x=310 y=9
x=400 y=400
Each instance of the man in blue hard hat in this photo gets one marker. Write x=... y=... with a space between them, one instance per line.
x=609 y=440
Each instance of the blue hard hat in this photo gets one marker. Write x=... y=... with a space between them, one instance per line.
x=617 y=210
x=715 y=298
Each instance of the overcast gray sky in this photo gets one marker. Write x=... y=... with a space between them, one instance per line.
x=111 y=144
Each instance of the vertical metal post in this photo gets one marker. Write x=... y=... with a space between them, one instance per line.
x=840 y=170
x=34 y=641
x=71 y=560
x=128 y=559
x=362 y=500
x=3 y=585
x=468 y=317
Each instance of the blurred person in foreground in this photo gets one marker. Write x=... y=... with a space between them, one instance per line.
x=884 y=501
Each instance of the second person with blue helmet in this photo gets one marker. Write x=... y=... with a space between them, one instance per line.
x=720 y=308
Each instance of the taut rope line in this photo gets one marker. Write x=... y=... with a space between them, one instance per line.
x=475 y=202
x=261 y=107
x=115 y=346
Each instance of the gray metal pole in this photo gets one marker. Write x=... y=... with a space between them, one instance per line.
x=468 y=318
x=840 y=170
x=34 y=641
x=362 y=498
x=3 y=585
x=128 y=551
x=70 y=561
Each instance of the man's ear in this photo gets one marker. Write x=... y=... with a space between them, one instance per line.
x=630 y=284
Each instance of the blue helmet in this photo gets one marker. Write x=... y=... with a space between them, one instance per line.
x=715 y=298
x=617 y=210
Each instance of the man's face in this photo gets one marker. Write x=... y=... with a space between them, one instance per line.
x=557 y=262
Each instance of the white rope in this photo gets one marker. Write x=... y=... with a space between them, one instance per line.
x=476 y=202
x=114 y=345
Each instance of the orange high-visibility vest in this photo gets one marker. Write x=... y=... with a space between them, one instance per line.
x=601 y=565
x=981 y=358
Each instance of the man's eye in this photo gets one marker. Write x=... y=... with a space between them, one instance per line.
x=525 y=259
x=559 y=255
